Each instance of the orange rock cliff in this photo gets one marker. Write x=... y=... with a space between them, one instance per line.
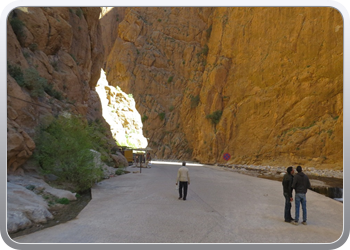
x=262 y=84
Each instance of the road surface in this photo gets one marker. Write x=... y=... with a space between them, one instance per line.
x=221 y=207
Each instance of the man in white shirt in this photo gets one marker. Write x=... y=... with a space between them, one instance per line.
x=183 y=179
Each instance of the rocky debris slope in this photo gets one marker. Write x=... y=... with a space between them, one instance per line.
x=263 y=84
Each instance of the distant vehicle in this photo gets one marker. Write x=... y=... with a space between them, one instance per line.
x=128 y=153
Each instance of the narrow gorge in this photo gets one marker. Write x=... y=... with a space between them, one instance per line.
x=261 y=84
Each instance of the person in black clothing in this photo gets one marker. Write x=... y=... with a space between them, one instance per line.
x=301 y=184
x=287 y=192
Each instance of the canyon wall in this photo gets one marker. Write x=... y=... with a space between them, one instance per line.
x=262 y=84
x=54 y=59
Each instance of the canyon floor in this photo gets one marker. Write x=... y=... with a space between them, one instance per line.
x=71 y=210
x=222 y=207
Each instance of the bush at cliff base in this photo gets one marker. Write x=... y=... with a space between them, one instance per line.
x=63 y=149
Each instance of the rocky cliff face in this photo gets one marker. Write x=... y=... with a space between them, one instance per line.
x=54 y=58
x=262 y=84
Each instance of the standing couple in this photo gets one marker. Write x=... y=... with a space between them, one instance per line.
x=300 y=183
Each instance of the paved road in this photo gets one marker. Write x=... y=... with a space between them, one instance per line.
x=222 y=207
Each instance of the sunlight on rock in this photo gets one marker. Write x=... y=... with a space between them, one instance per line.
x=119 y=111
x=104 y=11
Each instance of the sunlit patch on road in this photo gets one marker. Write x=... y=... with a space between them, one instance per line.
x=176 y=162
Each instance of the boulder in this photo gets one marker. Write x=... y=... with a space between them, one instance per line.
x=107 y=170
x=39 y=185
x=16 y=220
x=119 y=160
x=24 y=207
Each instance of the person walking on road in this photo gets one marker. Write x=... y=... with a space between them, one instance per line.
x=287 y=192
x=300 y=184
x=148 y=160
x=183 y=180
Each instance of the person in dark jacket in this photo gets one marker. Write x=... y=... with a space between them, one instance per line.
x=287 y=192
x=301 y=184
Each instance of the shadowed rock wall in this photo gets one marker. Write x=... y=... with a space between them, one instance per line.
x=60 y=48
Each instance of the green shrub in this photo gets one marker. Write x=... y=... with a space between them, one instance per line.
x=32 y=81
x=79 y=13
x=33 y=47
x=30 y=187
x=144 y=118
x=63 y=149
x=170 y=79
x=119 y=171
x=73 y=56
x=215 y=116
x=209 y=31
x=97 y=135
x=194 y=101
x=204 y=51
x=64 y=201
x=17 y=26
x=17 y=74
x=171 y=108
x=52 y=92
x=161 y=116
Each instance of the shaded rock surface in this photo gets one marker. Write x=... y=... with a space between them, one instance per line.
x=63 y=50
x=54 y=58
